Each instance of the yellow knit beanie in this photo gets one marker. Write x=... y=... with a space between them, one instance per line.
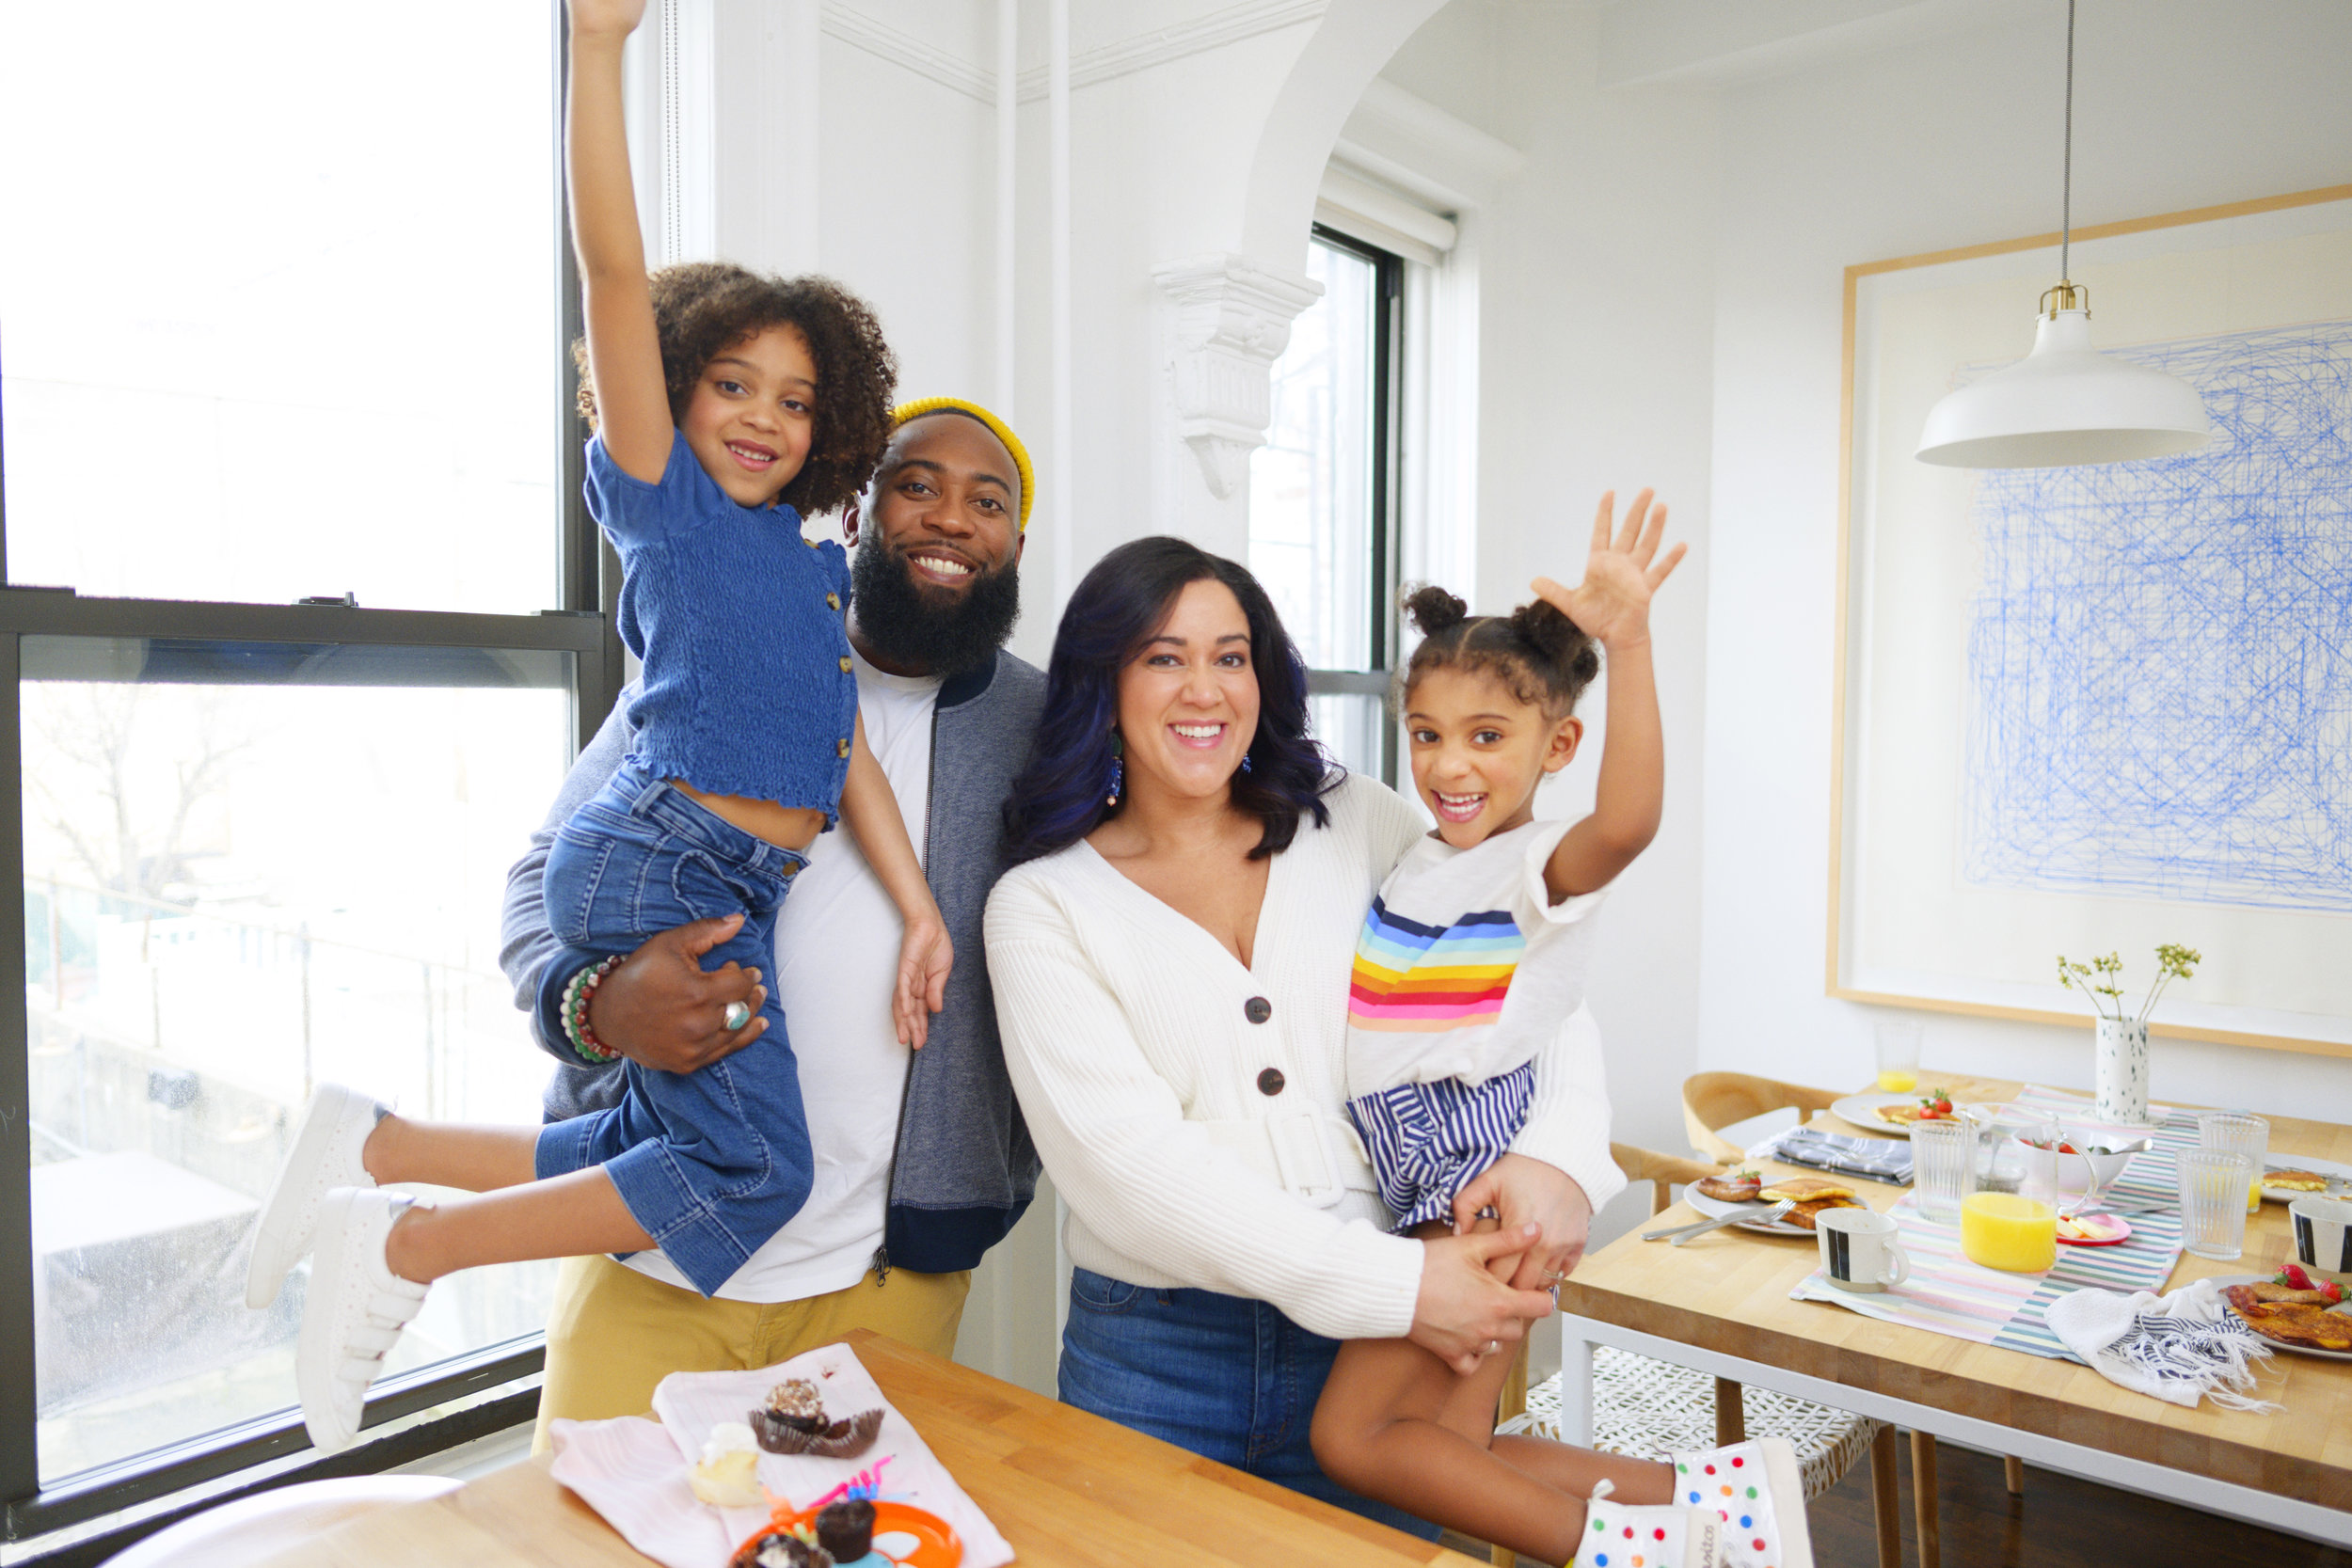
x=1002 y=431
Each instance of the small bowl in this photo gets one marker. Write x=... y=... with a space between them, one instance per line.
x=2074 y=1171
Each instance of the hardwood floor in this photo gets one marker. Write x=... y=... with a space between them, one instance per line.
x=2060 y=1522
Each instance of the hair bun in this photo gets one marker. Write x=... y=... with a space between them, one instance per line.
x=1432 y=609
x=1559 y=640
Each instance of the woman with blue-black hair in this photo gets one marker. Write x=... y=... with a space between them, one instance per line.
x=1170 y=957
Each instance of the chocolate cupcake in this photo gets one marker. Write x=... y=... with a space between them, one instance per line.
x=781 y=1549
x=795 y=1403
x=843 y=1439
x=846 y=1528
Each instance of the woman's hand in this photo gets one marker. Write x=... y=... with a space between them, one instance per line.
x=925 y=956
x=1612 y=605
x=1527 y=1192
x=618 y=18
x=659 y=1008
x=1464 y=1314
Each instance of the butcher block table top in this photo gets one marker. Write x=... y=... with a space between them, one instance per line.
x=1063 y=1486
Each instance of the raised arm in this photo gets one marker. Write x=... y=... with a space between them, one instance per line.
x=1612 y=605
x=624 y=353
x=925 y=953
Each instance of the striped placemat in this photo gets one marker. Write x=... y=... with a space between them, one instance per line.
x=1948 y=1295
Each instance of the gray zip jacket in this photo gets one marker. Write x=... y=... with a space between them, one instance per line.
x=964 y=1170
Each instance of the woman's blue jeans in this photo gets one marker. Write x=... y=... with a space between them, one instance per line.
x=1230 y=1378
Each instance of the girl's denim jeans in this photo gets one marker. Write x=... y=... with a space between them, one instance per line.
x=711 y=1163
x=1230 y=1378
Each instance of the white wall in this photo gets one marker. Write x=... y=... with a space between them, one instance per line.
x=1944 y=142
x=1596 y=272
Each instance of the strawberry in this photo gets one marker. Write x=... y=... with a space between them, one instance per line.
x=2293 y=1278
x=2068 y=1148
x=2333 y=1291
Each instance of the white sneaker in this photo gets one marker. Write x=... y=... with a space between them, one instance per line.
x=1758 y=1491
x=1648 y=1535
x=353 y=1313
x=326 y=1153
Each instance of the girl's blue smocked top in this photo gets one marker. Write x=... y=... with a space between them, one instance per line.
x=738 y=622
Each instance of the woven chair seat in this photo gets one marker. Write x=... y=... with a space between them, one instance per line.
x=1652 y=1409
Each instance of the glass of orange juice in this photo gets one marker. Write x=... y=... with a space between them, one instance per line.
x=2009 y=1230
x=1899 y=1054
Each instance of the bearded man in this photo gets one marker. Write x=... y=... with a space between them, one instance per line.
x=922 y=1161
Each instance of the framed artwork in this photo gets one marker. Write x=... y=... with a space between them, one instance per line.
x=2093 y=709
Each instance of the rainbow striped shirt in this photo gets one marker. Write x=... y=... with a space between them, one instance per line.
x=1464 y=967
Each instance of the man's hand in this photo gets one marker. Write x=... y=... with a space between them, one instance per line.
x=1612 y=605
x=660 y=1010
x=1525 y=1192
x=925 y=956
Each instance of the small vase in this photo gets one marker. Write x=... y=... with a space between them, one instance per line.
x=2120 y=1079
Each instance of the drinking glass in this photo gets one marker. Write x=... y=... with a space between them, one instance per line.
x=2239 y=1133
x=1899 y=1054
x=2213 y=1215
x=1943 y=1167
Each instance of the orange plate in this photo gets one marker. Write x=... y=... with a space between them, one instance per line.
x=937 y=1544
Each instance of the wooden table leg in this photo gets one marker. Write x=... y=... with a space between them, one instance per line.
x=1923 y=1508
x=1731 y=1414
x=2013 y=1471
x=1886 y=1502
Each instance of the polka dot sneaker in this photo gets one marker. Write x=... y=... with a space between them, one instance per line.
x=1758 y=1494
x=1657 y=1535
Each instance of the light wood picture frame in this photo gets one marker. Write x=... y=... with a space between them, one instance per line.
x=2038 y=746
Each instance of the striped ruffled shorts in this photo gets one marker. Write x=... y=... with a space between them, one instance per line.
x=1428 y=1140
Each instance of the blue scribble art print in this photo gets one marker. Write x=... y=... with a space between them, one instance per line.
x=2160 y=653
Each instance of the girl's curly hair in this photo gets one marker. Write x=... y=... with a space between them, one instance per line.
x=1542 y=656
x=701 y=307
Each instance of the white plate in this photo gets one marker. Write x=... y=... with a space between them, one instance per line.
x=1862 y=1111
x=1715 y=1209
x=2341 y=1172
x=2226 y=1279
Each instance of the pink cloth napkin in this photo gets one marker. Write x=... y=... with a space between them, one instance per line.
x=632 y=1471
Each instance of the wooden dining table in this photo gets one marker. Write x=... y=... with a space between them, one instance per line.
x=1065 y=1489
x=1721 y=1303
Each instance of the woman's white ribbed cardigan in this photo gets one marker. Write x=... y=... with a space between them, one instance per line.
x=1128 y=1036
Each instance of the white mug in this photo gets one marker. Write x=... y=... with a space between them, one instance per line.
x=1859 y=1251
x=2323 y=1233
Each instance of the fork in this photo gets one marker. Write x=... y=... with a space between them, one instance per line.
x=1682 y=1233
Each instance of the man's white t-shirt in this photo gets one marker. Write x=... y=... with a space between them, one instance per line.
x=837 y=959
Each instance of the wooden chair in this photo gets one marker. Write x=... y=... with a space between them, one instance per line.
x=1717 y=1099
x=1640 y=1406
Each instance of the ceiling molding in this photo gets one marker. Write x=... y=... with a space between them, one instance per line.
x=1162 y=44
x=902 y=48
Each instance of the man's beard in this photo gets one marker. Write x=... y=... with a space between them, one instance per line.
x=941 y=631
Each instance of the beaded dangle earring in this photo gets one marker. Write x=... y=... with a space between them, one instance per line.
x=1119 y=771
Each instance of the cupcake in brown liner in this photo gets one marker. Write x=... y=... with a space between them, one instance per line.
x=796 y=1404
x=846 y=1528
x=777 y=1548
x=842 y=1439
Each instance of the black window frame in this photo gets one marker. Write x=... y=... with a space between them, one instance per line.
x=1387 y=336
x=479 y=1383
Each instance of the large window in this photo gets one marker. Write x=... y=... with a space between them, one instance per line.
x=301 y=626
x=1322 y=530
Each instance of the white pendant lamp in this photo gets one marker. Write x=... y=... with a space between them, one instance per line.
x=2065 y=404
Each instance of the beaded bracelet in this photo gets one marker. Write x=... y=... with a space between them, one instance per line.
x=573 y=1010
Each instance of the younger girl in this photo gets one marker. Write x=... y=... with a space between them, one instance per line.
x=1472 y=957
x=725 y=404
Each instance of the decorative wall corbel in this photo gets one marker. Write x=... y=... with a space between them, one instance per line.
x=1232 y=319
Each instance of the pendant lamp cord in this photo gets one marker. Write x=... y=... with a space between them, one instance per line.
x=2066 y=200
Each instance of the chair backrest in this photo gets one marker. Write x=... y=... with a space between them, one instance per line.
x=1713 y=1100
x=255 y=1527
x=1659 y=1171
